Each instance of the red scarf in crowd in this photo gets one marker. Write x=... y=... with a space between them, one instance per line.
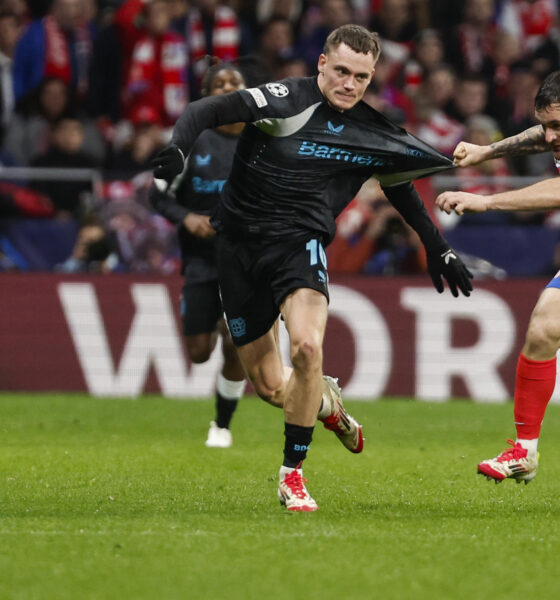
x=57 y=54
x=58 y=63
x=225 y=38
x=476 y=46
x=157 y=76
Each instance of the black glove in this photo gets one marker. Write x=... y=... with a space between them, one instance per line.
x=448 y=264
x=168 y=163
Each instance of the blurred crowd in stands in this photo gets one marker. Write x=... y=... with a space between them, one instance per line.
x=98 y=84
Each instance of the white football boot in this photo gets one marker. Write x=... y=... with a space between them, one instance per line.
x=345 y=427
x=292 y=492
x=218 y=437
x=512 y=463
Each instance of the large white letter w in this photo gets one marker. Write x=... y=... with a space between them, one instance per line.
x=153 y=339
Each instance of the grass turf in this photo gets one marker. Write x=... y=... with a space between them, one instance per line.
x=103 y=499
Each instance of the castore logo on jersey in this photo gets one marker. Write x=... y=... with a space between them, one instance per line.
x=202 y=161
x=333 y=130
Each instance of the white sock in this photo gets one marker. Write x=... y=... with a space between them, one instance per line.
x=529 y=445
x=230 y=390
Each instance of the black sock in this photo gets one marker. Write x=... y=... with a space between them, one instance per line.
x=225 y=408
x=297 y=443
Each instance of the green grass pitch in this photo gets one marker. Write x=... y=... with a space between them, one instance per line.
x=119 y=499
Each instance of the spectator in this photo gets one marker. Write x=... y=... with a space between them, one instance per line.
x=372 y=238
x=291 y=66
x=469 y=45
x=517 y=114
x=9 y=32
x=59 y=45
x=92 y=252
x=212 y=30
x=154 y=255
x=145 y=142
x=482 y=130
x=506 y=53
x=143 y=241
x=66 y=151
x=435 y=126
x=470 y=98
x=387 y=98
x=18 y=8
x=288 y=9
x=395 y=22
x=157 y=75
x=529 y=21
x=397 y=27
x=28 y=135
x=276 y=42
x=332 y=14
x=106 y=77
x=427 y=53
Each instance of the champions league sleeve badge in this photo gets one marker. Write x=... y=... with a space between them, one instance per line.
x=277 y=89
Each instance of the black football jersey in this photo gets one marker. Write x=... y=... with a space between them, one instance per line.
x=299 y=161
x=198 y=190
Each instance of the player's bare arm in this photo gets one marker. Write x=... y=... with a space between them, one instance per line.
x=544 y=195
x=461 y=202
x=530 y=141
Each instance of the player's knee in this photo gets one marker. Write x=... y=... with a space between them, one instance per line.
x=542 y=338
x=199 y=353
x=306 y=353
x=266 y=388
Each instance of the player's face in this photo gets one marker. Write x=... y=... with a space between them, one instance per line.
x=344 y=76
x=549 y=118
x=226 y=81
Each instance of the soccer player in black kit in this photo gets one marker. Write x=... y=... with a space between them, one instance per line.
x=310 y=145
x=196 y=194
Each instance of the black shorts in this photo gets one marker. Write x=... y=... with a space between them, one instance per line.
x=256 y=277
x=201 y=307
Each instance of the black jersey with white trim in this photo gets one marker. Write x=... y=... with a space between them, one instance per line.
x=300 y=161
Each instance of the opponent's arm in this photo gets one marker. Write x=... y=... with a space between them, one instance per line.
x=530 y=141
x=442 y=260
x=544 y=195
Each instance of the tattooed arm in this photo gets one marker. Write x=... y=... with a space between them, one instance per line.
x=530 y=141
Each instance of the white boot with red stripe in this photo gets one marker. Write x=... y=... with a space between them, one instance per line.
x=513 y=463
x=334 y=417
x=292 y=492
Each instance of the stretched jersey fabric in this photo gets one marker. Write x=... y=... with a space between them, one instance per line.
x=198 y=190
x=300 y=161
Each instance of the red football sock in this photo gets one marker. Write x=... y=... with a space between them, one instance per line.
x=534 y=384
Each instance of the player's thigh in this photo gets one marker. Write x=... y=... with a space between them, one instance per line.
x=305 y=314
x=301 y=290
x=262 y=361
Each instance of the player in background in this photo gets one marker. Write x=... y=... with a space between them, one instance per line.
x=309 y=146
x=189 y=203
x=536 y=367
